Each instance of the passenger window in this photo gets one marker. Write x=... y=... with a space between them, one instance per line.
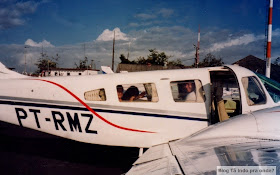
x=95 y=95
x=187 y=91
x=254 y=92
x=145 y=92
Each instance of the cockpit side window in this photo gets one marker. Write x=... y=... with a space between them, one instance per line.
x=187 y=91
x=139 y=92
x=253 y=90
x=273 y=87
x=95 y=95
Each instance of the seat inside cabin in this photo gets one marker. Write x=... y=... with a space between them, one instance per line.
x=225 y=96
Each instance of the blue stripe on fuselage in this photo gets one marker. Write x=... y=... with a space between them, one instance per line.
x=17 y=103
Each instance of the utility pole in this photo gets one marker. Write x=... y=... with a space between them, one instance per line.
x=93 y=66
x=197 y=49
x=128 y=50
x=113 y=52
x=25 y=47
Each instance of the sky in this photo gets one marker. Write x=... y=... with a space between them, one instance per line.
x=231 y=29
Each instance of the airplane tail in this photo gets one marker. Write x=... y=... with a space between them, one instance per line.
x=106 y=70
x=6 y=73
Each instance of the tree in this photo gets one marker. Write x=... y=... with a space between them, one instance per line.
x=177 y=62
x=82 y=64
x=154 y=58
x=44 y=63
x=124 y=60
x=142 y=60
x=277 y=61
x=210 y=61
x=157 y=58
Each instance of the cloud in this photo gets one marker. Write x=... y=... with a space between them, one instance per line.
x=108 y=35
x=164 y=12
x=176 y=41
x=242 y=40
x=12 y=12
x=44 y=43
x=133 y=24
x=276 y=33
x=145 y=16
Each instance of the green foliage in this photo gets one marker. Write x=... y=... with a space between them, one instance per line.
x=177 y=62
x=44 y=63
x=210 y=61
x=154 y=58
x=142 y=60
x=83 y=64
x=124 y=60
x=277 y=61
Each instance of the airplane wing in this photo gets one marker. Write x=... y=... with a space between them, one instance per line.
x=156 y=160
x=206 y=157
x=6 y=73
x=213 y=152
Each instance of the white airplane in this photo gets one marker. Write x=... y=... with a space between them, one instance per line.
x=90 y=109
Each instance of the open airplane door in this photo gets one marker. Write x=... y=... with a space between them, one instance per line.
x=234 y=91
x=225 y=95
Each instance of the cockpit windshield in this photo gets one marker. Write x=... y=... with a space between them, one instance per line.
x=273 y=87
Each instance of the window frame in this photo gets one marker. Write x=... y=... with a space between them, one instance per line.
x=142 y=85
x=94 y=95
x=200 y=91
x=259 y=86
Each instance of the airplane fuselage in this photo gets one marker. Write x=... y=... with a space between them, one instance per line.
x=87 y=108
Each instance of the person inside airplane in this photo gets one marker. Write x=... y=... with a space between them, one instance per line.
x=102 y=95
x=147 y=92
x=187 y=91
x=190 y=88
x=131 y=94
x=120 y=92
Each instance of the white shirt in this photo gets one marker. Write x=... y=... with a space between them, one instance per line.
x=191 y=96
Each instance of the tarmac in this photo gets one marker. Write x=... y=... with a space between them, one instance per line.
x=25 y=151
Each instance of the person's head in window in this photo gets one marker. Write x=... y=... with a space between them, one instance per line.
x=131 y=94
x=120 y=92
x=189 y=87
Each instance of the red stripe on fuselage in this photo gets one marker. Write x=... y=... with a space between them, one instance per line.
x=91 y=110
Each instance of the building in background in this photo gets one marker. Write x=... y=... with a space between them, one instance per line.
x=68 y=72
x=142 y=67
x=258 y=65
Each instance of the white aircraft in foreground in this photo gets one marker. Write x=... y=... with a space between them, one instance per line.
x=245 y=144
x=139 y=109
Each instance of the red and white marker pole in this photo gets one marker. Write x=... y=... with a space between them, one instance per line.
x=268 y=47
